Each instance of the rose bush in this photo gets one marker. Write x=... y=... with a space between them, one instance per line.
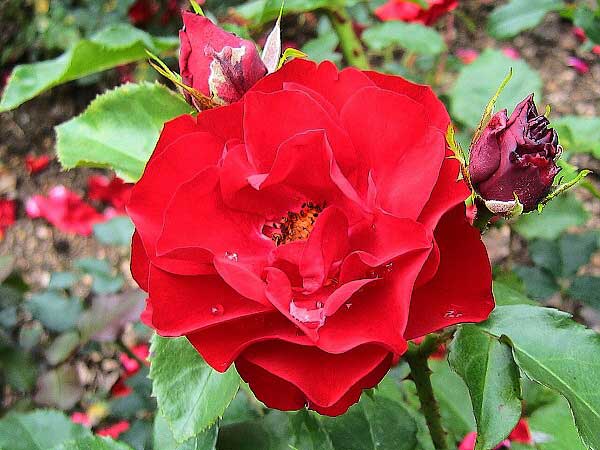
x=307 y=232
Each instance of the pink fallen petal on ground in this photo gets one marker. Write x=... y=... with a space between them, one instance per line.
x=65 y=210
x=596 y=49
x=81 y=418
x=511 y=52
x=578 y=64
x=579 y=33
x=467 y=55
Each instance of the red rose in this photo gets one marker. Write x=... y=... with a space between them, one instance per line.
x=409 y=11
x=110 y=190
x=216 y=63
x=520 y=434
x=306 y=232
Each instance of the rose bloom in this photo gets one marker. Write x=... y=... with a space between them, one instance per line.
x=307 y=231
x=409 y=11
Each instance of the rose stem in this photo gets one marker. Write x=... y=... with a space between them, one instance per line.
x=417 y=357
x=349 y=42
x=483 y=217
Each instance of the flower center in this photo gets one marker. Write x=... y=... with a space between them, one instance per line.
x=296 y=226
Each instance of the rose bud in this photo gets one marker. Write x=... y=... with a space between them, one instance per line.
x=216 y=63
x=515 y=156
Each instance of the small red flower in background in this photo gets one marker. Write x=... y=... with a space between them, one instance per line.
x=407 y=11
x=467 y=55
x=131 y=366
x=35 y=164
x=8 y=210
x=511 y=52
x=81 y=418
x=302 y=244
x=142 y=11
x=579 y=33
x=65 y=210
x=112 y=191
x=115 y=430
x=521 y=434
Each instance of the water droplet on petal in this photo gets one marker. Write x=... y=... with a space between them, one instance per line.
x=217 y=310
x=231 y=256
x=313 y=318
x=348 y=305
x=453 y=314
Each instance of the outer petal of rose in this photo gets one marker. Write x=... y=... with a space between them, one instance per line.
x=183 y=304
x=325 y=78
x=391 y=134
x=448 y=192
x=177 y=163
x=304 y=170
x=140 y=264
x=173 y=130
x=224 y=122
x=263 y=140
x=327 y=244
x=322 y=377
x=221 y=344
x=435 y=109
x=197 y=218
x=454 y=295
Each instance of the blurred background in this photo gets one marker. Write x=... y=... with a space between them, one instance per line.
x=69 y=332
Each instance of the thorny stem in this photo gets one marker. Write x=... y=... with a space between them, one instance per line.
x=349 y=42
x=417 y=357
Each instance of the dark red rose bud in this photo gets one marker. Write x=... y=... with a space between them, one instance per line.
x=515 y=156
x=216 y=63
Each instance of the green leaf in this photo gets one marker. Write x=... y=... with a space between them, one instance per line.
x=54 y=310
x=323 y=48
x=262 y=11
x=579 y=134
x=19 y=368
x=190 y=394
x=546 y=254
x=510 y=19
x=38 y=430
x=539 y=284
x=453 y=396
x=119 y=129
x=93 y=266
x=103 y=284
x=478 y=81
x=62 y=280
x=164 y=440
x=557 y=352
x=413 y=37
x=587 y=290
x=93 y=443
x=487 y=367
x=554 y=426
x=505 y=295
x=271 y=432
x=115 y=45
x=62 y=347
x=588 y=20
x=562 y=213
x=576 y=251
x=59 y=387
x=117 y=231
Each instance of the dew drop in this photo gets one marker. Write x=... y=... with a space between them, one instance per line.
x=231 y=256
x=217 y=310
x=313 y=318
x=453 y=314
x=348 y=305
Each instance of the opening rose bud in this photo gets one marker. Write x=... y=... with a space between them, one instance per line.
x=216 y=63
x=515 y=156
